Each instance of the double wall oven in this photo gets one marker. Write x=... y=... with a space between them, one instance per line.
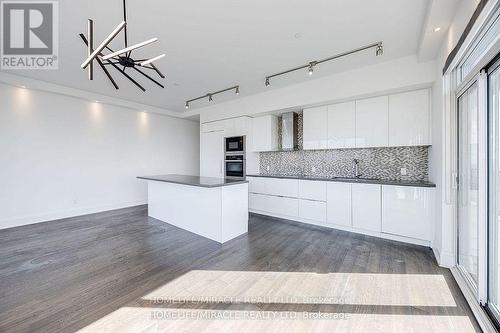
x=234 y=164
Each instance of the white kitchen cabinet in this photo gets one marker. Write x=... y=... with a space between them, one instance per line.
x=274 y=205
x=409 y=118
x=212 y=126
x=312 y=190
x=257 y=184
x=366 y=207
x=265 y=133
x=339 y=204
x=312 y=210
x=282 y=187
x=212 y=154
x=372 y=122
x=407 y=211
x=315 y=134
x=342 y=125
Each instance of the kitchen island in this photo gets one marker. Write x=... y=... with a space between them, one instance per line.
x=215 y=208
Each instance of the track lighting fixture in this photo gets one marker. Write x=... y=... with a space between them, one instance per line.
x=310 y=66
x=210 y=95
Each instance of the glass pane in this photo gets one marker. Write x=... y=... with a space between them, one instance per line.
x=468 y=159
x=494 y=102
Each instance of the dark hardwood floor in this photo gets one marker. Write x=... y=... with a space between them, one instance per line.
x=64 y=275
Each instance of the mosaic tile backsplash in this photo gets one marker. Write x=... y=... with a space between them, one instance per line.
x=380 y=163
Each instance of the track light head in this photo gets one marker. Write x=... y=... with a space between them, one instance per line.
x=187 y=105
x=237 y=90
x=380 y=50
x=311 y=68
x=210 y=99
x=267 y=82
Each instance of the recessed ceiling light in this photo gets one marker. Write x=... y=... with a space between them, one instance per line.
x=298 y=35
x=24 y=87
x=437 y=29
x=96 y=101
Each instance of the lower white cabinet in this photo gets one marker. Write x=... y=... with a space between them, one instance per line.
x=366 y=207
x=312 y=190
x=379 y=210
x=274 y=204
x=407 y=211
x=312 y=210
x=339 y=204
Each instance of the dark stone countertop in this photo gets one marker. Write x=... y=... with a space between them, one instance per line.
x=195 y=180
x=352 y=180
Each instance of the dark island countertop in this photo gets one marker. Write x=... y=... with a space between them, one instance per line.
x=195 y=180
x=351 y=180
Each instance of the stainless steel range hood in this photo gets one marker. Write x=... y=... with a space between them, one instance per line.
x=289 y=131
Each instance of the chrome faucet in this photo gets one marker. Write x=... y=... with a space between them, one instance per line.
x=355 y=168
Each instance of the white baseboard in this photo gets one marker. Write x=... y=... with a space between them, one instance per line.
x=346 y=228
x=50 y=216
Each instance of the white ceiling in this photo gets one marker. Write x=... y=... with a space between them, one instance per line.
x=212 y=45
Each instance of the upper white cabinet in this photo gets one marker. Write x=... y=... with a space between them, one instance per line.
x=366 y=207
x=265 y=133
x=316 y=128
x=342 y=125
x=372 y=122
x=212 y=154
x=409 y=118
x=339 y=204
x=407 y=211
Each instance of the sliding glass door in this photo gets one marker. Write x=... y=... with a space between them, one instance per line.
x=493 y=88
x=468 y=184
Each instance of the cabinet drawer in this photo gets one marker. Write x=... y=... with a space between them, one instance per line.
x=274 y=205
x=282 y=187
x=312 y=210
x=312 y=190
x=256 y=185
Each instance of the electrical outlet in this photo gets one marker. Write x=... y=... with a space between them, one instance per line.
x=403 y=172
x=313 y=169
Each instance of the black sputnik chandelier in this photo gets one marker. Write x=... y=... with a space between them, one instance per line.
x=122 y=59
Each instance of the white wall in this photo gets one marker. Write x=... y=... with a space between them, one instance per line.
x=391 y=76
x=63 y=156
x=444 y=235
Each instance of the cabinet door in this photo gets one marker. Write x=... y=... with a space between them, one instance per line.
x=315 y=128
x=241 y=126
x=312 y=210
x=339 y=203
x=282 y=206
x=265 y=133
x=407 y=211
x=409 y=116
x=342 y=125
x=372 y=122
x=212 y=154
x=366 y=207
x=256 y=185
x=312 y=190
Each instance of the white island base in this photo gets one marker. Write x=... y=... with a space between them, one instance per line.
x=218 y=211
